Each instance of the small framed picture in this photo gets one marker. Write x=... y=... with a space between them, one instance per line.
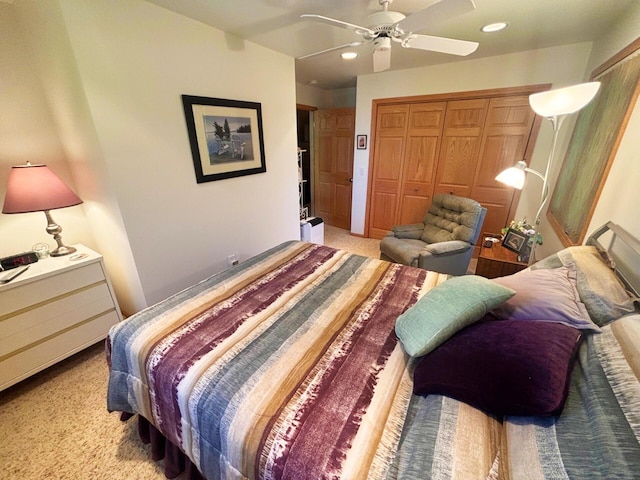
x=361 y=142
x=515 y=241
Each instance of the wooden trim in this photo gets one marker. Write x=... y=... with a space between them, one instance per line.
x=468 y=95
x=308 y=108
x=621 y=55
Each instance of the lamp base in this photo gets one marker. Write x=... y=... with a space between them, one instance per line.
x=54 y=229
x=63 y=250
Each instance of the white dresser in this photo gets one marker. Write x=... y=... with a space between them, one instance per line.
x=54 y=309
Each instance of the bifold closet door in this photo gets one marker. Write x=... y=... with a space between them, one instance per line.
x=506 y=136
x=390 y=141
x=420 y=160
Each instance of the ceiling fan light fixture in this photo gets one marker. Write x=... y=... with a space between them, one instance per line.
x=494 y=27
x=348 y=55
x=382 y=44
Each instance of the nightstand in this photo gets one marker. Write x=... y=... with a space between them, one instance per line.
x=497 y=261
x=54 y=309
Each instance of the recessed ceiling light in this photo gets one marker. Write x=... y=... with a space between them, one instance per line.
x=349 y=55
x=494 y=27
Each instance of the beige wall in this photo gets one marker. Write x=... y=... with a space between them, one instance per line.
x=317 y=97
x=118 y=69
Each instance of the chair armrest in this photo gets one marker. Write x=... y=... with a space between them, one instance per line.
x=413 y=231
x=446 y=248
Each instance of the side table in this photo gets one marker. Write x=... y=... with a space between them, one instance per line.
x=497 y=261
x=56 y=308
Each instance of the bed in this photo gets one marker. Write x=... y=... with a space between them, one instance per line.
x=296 y=364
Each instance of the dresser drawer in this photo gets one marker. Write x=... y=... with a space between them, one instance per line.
x=40 y=291
x=23 y=363
x=32 y=325
x=57 y=307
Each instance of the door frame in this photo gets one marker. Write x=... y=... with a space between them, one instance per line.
x=311 y=109
x=446 y=97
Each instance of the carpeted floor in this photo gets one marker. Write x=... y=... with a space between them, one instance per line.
x=55 y=425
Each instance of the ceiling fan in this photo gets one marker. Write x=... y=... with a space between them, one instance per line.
x=387 y=26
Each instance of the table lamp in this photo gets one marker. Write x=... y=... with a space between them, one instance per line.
x=554 y=105
x=35 y=188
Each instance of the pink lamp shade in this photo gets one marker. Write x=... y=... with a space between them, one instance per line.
x=35 y=188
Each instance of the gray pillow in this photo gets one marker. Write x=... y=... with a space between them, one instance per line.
x=446 y=309
x=548 y=295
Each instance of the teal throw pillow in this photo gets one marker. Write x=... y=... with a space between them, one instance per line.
x=446 y=309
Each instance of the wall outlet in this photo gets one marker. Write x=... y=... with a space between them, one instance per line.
x=232 y=260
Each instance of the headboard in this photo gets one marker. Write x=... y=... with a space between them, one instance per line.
x=623 y=251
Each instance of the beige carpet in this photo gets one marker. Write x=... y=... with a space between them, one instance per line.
x=55 y=425
x=342 y=239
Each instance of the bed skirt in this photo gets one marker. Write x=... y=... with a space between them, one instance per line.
x=175 y=461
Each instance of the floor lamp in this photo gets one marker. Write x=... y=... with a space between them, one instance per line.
x=554 y=105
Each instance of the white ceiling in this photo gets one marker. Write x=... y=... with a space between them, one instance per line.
x=276 y=24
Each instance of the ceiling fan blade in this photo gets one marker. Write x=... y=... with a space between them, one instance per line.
x=435 y=14
x=338 y=23
x=381 y=59
x=352 y=44
x=440 y=44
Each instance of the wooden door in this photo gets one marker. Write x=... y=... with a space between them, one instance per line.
x=505 y=139
x=334 y=133
x=424 y=132
x=391 y=133
x=461 y=141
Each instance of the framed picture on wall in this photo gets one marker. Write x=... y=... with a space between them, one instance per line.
x=361 y=142
x=225 y=136
x=594 y=143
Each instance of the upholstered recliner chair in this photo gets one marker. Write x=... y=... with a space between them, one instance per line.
x=443 y=242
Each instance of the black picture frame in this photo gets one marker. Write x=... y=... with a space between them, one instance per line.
x=515 y=241
x=361 y=142
x=225 y=136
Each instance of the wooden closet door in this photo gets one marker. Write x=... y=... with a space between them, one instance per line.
x=391 y=132
x=461 y=142
x=424 y=132
x=333 y=165
x=504 y=142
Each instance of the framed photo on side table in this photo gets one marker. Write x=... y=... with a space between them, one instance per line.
x=515 y=241
x=225 y=136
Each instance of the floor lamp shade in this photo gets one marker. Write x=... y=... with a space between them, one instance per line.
x=563 y=101
x=35 y=188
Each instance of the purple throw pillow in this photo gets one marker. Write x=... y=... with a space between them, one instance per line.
x=548 y=295
x=504 y=367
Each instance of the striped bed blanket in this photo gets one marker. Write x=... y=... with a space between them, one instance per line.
x=287 y=366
